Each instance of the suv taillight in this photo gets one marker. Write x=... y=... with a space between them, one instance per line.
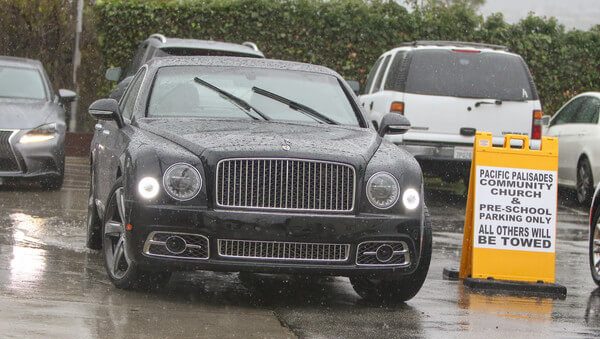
x=397 y=107
x=536 y=124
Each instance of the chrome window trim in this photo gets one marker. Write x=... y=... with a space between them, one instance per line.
x=346 y=246
x=12 y=148
x=149 y=241
x=351 y=167
x=406 y=254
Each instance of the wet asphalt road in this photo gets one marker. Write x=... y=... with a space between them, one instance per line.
x=52 y=287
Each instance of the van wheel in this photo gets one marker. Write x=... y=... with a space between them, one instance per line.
x=585 y=182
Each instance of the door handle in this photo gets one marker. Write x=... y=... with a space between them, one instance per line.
x=98 y=127
x=371 y=105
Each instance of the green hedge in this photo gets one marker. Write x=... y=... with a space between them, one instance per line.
x=348 y=35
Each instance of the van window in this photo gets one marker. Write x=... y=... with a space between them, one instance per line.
x=371 y=75
x=382 y=70
x=485 y=75
x=396 y=79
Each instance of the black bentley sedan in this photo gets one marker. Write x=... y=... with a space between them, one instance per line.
x=32 y=123
x=253 y=165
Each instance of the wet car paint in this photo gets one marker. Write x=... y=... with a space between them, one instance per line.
x=51 y=286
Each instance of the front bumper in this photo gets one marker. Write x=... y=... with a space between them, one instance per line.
x=269 y=227
x=33 y=160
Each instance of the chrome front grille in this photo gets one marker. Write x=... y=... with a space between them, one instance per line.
x=288 y=251
x=8 y=162
x=285 y=184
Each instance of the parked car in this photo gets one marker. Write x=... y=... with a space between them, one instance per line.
x=576 y=126
x=237 y=164
x=157 y=45
x=450 y=90
x=32 y=123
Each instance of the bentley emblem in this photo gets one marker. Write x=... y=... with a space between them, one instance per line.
x=286 y=146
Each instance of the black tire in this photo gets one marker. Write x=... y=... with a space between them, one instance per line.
x=53 y=182
x=593 y=258
x=585 y=182
x=398 y=289
x=94 y=224
x=123 y=272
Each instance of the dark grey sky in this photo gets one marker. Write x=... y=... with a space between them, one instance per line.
x=581 y=14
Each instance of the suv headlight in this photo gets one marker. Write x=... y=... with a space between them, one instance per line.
x=411 y=199
x=182 y=181
x=39 y=134
x=383 y=190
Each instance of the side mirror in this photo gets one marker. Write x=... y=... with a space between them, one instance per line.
x=354 y=85
x=393 y=123
x=113 y=74
x=66 y=95
x=106 y=109
x=546 y=120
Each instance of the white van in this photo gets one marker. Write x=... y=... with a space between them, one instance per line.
x=448 y=91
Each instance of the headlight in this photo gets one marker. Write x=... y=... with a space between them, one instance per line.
x=182 y=181
x=39 y=134
x=411 y=199
x=148 y=187
x=383 y=190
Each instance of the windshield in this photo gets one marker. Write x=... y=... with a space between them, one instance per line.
x=175 y=93
x=468 y=75
x=21 y=83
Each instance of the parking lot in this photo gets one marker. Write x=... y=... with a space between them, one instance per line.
x=52 y=286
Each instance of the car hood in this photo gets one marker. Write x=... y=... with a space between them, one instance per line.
x=219 y=139
x=25 y=113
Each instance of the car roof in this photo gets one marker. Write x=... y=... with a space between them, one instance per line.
x=239 y=62
x=450 y=45
x=20 y=62
x=161 y=41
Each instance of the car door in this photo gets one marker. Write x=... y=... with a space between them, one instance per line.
x=563 y=127
x=586 y=135
x=115 y=139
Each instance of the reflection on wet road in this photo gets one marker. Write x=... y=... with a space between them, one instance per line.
x=51 y=286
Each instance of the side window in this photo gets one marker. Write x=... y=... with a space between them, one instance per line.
x=588 y=113
x=568 y=113
x=371 y=76
x=396 y=79
x=377 y=86
x=128 y=101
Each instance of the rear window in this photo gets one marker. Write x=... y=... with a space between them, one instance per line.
x=469 y=75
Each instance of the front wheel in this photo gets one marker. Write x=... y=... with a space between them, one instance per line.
x=585 y=182
x=398 y=289
x=122 y=271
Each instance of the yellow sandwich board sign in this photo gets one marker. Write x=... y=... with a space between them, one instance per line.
x=510 y=222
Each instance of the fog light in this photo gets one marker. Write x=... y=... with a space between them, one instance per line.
x=384 y=253
x=411 y=199
x=148 y=188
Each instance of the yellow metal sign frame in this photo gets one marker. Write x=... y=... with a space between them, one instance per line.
x=501 y=264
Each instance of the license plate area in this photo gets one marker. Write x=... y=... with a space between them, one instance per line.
x=463 y=153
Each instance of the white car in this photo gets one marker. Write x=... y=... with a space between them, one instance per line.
x=448 y=91
x=578 y=132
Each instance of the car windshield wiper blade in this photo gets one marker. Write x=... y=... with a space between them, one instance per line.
x=295 y=106
x=237 y=101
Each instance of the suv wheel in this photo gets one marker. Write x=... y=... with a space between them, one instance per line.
x=398 y=289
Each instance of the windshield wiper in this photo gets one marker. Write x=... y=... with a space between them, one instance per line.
x=296 y=106
x=237 y=101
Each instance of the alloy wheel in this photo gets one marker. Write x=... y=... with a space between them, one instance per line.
x=584 y=182
x=596 y=247
x=114 y=236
